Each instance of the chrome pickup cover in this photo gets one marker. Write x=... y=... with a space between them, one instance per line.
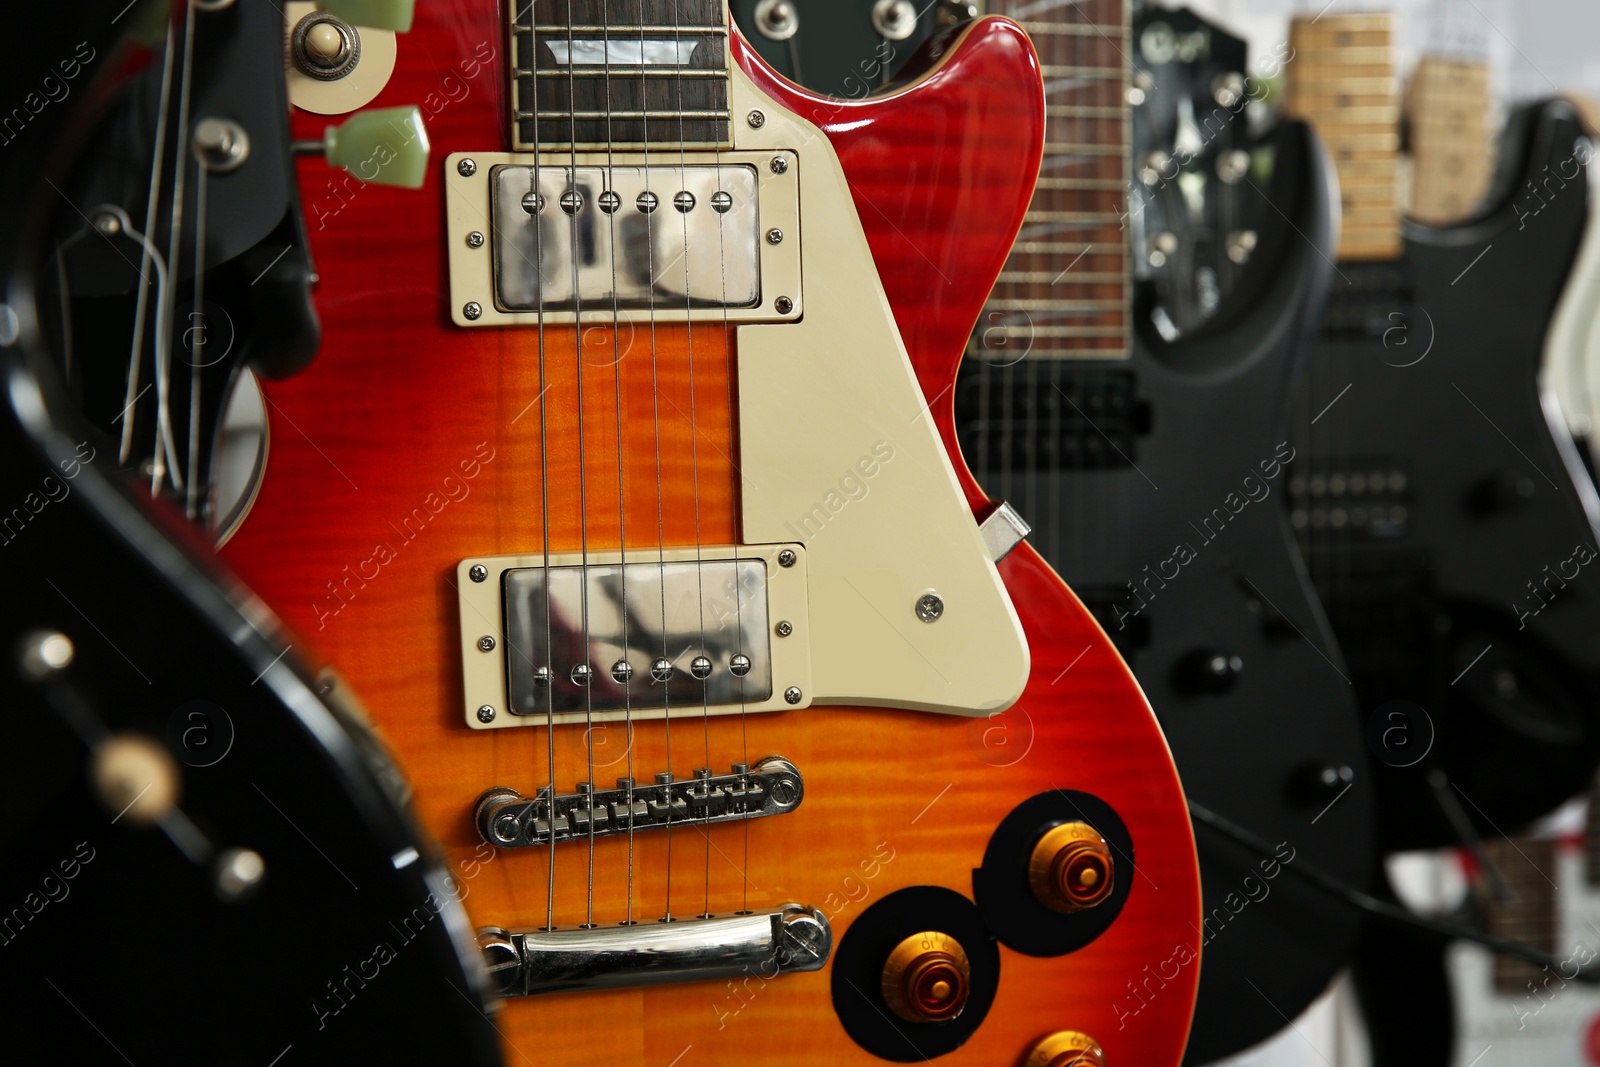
x=629 y=238
x=613 y=631
x=719 y=631
x=507 y=819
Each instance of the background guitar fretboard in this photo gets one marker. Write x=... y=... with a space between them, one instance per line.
x=1452 y=156
x=1529 y=915
x=619 y=72
x=1065 y=291
x=1341 y=80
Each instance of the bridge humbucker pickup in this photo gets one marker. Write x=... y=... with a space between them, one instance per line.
x=508 y=819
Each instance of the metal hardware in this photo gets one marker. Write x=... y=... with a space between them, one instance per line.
x=791 y=938
x=783 y=305
x=1228 y=89
x=478 y=573
x=621 y=672
x=1241 y=243
x=472 y=309
x=739 y=666
x=507 y=819
x=541 y=676
x=721 y=201
x=610 y=202
x=486 y=714
x=485 y=643
x=756 y=120
x=786 y=558
x=792 y=694
x=714 y=259
x=716 y=608
x=324 y=46
x=475 y=239
x=1233 y=166
x=221 y=145
x=533 y=203
x=779 y=164
x=929 y=607
x=776 y=20
x=774 y=236
x=466 y=168
x=238 y=872
x=784 y=628
x=44 y=652
x=895 y=20
x=1003 y=530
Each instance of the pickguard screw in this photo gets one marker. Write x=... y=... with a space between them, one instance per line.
x=478 y=573
x=466 y=168
x=929 y=607
x=486 y=714
x=786 y=558
x=779 y=164
x=774 y=236
x=792 y=694
x=474 y=239
x=485 y=643
x=783 y=305
x=473 y=310
x=756 y=120
x=784 y=628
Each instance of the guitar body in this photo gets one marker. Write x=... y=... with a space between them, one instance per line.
x=1479 y=548
x=407 y=411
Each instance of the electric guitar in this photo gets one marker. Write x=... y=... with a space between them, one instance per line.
x=191 y=817
x=614 y=492
x=1150 y=468
x=1445 y=513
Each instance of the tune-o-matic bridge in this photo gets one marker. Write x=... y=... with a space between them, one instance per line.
x=508 y=819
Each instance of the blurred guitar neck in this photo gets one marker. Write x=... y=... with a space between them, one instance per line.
x=1451 y=153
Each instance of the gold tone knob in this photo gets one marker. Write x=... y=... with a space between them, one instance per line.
x=1071 y=868
x=927 y=978
x=1066 y=1048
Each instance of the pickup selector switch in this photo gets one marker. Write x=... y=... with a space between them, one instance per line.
x=927 y=978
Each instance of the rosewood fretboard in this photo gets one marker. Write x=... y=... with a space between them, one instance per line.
x=1064 y=290
x=619 y=73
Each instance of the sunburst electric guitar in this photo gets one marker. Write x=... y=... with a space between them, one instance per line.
x=614 y=492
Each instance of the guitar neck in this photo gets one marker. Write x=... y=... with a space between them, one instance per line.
x=1529 y=913
x=1451 y=153
x=1342 y=81
x=619 y=73
x=1065 y=289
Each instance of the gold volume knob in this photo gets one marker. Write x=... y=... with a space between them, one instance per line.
x=1071 y=868
x=1066 y=1048
x=927 y=978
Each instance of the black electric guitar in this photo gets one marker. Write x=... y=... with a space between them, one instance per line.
x=1142 y=432
x=1447 y=518
x=208 y=858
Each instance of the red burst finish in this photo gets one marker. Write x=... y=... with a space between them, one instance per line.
x=411 y=444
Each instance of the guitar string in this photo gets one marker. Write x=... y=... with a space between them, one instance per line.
x=622 y=525
x=655 y=417
x=537 y=217
x=164 y=350
x=573 y=227
x=730 y=369
x=147 y=245
x=694 y=431
x=197 y=353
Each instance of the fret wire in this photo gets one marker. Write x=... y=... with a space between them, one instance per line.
x=673 y=32
x=599 y=72
x=592 y=116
